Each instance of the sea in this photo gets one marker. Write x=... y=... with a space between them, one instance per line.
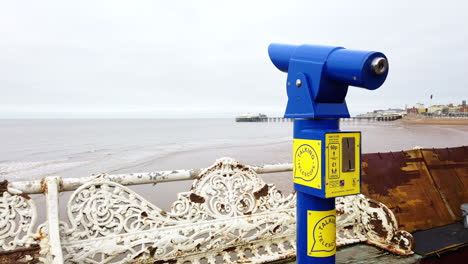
x=34 y=149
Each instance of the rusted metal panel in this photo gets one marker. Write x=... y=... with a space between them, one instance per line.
x=402 y=181
x=21 y=255
x=449 y=169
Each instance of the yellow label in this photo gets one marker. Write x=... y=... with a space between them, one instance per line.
x=307 y=162
x=339 y=179
x=321 y=233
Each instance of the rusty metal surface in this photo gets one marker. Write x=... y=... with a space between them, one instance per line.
x=449 y=169
x=21 y=255
x=423 y=188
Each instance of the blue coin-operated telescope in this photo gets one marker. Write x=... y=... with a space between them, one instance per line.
x=327 y=161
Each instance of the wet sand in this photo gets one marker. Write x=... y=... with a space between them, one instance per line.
x=434 y=121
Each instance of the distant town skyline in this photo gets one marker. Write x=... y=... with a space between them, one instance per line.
x=450 y=109
x=151 y=59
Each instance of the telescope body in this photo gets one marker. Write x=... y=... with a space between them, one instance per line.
x=319 y=76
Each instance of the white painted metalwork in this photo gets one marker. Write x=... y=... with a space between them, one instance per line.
x=71 y=184
x=360 y=219
x=18 y=216
x=230 y=215
x=54 y=254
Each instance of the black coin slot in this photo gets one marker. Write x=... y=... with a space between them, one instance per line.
x=348 y=150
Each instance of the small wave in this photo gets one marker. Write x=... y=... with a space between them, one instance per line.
x=20 y=166
x=35 y=169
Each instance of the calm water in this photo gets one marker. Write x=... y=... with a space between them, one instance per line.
x=32 y=149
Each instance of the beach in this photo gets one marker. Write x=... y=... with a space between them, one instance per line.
x=434 y=120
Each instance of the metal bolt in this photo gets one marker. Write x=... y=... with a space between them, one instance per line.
x=379 y=65
x=298 y=82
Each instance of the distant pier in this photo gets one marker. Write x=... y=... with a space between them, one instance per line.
x=351 y=119
x=374 y=118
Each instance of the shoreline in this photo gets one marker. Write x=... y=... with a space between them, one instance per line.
x=434 y=121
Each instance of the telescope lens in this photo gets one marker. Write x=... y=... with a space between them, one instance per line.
x=379 y=65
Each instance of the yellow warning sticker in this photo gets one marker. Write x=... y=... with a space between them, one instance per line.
x=321 y=233
x=343 y=164
x=307 y=162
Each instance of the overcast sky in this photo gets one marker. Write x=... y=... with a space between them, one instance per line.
x=209 y=58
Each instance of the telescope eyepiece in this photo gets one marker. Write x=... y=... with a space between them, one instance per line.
x=379 y=65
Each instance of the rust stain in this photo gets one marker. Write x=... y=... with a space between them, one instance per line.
x=152 y=250
x=241 y=167
x=229 y=249
x=3 y=187
x=276 y=228
x=242 y=202
x=388 y=163
x=262 y=192
x=196 y=198
x=449 y=170
x=40 y=235
x=195 y=174
x=378 y=227
x=44 y=186
x=422 y=187
x=19 y=255
x=339 y=212
x=170 y=261
x=24 y=195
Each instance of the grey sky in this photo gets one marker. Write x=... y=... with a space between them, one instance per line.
x=209 y=58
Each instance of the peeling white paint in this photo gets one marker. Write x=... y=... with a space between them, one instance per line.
x=230 y=213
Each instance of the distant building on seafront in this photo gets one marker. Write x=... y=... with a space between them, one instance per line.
x=450 y=110
x=439 y=110
x=412 y=111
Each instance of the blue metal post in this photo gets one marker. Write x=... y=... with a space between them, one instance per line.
x=305 y=204
x=327 y=161
x=316 y=243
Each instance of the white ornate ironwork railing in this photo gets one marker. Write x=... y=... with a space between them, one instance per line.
x=230 y=215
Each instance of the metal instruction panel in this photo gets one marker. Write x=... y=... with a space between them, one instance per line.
x=343 y=164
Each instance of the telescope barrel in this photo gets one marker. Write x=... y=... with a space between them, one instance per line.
x=366 y=69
